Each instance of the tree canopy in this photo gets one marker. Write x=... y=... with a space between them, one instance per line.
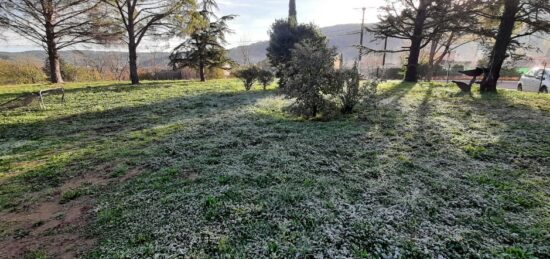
x=138 y=19
x=204 y=47
x=55 y=25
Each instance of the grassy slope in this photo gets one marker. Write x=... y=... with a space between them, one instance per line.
x=428 y=172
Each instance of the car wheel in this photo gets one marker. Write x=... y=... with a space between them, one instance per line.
x=520 y=87
x=543 y=89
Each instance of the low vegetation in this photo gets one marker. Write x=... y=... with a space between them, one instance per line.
x=212 y=170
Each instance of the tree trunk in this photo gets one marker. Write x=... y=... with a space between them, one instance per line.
x=134 y=77
x=201 y=73
x=503 y=40
x=416 y=43
x=55 y=66
x=53 y=54
x=132 y=46
x=431 y=60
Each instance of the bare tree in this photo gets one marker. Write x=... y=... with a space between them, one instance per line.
x=142 y=18
x=55 y=25
x=516 y=19
x=419 y=22
x=441 y=46
x=244 y=50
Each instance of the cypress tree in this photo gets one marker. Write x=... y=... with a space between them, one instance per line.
x=292 y=14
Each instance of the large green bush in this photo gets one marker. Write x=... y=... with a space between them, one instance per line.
x=283 y=39
x=310 y=75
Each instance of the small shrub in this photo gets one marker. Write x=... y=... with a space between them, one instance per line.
x=248 y=76
x=347 y=81
x=350 y=90
x=265 y=77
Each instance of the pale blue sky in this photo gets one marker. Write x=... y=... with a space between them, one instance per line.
x=254 y=19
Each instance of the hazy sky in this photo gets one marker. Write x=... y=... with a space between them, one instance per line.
x=254 y=19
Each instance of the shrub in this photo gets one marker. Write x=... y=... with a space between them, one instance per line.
x=347 y=81
x=20 y=72
x=248 y=76
x=310 y=75
x=350 y=90
x=265 y=77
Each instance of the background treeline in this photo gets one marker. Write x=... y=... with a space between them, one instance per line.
x=33 y=71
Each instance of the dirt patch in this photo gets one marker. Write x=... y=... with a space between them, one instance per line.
x=48 y=228
x=132 y=173
x=55 y=229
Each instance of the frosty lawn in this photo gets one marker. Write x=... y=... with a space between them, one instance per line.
x=209 y=170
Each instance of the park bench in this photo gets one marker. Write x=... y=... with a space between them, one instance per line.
x=475 y=73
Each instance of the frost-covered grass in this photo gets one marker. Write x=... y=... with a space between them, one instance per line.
x=428 y=172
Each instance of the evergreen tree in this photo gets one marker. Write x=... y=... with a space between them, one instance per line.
x=204 y=49
x=283 y=38
x=292 y=14
x=310 y=75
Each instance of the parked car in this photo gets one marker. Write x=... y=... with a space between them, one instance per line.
x=537 y=79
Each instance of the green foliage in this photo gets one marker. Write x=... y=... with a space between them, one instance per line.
x=204 y=46
x=310 y=75
x=248 y=76
x=20 y=72
x=348 y=84
x=265 y=77
x=283 y=38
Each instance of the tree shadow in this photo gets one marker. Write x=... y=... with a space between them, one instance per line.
x=78 y=143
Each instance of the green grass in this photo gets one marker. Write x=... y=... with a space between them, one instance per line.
x=227 y=173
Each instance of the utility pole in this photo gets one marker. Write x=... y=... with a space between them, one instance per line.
x=383 y=59
x=362 y=35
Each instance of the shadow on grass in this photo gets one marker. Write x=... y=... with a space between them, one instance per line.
x=77 y=143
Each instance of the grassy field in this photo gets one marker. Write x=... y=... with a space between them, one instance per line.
x=209 y=170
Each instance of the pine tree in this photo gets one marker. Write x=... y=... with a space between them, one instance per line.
x=204 y=47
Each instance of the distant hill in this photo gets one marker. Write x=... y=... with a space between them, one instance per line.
x=344 y=37
x=85 y=57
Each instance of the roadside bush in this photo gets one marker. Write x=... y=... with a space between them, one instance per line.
x=310 y=75
x=248 y=76
x=265 y=77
